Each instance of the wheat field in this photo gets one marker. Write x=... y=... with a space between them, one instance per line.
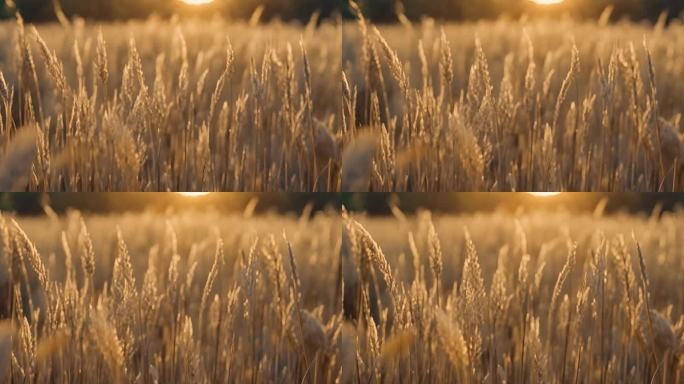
x=179 y=105
x=191 y=104
x=516 y=105
x=534 y=297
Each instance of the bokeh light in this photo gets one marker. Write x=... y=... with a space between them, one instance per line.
x=544 y=194
x=547 y=2
x=197 y=2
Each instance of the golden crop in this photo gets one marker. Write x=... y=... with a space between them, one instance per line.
x=517 y=105
x=169 y=105
x=208 y=297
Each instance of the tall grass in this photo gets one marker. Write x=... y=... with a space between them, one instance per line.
x=180 y=300
x=209 y=297
x=507 y=105
x=173 y=105
x=517 y=105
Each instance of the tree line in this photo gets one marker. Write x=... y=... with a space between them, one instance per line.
x=377 y=10
x=43 y=10
x=372 y=203
x=385 y=10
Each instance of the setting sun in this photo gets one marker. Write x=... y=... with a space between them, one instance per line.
x=197 y=2
x=193 y=194
x=547 y=2
x=544 y=194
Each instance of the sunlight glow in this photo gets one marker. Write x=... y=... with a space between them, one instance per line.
x=544 y=194
x=193 y=194
x=547 y=2
x=197 y=2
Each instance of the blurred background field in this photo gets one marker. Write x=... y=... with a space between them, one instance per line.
x=42 y=10
x=379 y=10
x=211 y=288
x=375 y=204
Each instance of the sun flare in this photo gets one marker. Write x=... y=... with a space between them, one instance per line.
x=544 y=194
x=197 y=2
x=547 y=2
x=193 y=194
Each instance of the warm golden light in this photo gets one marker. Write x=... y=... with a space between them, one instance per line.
x=544 y=194
x=193 y=194
x=197 y=2
x=547 y=2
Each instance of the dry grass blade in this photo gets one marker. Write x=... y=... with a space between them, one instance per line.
x=256 y=16
x=357 y=164
x=211 y=278
x=4 y=89
x=5 y=349
x=435 y=254
x=16 y=164
x=107 y=341
x=61 y=17
x=397 y=345
x=29 y=249
x=313 y=334
x=452 y=340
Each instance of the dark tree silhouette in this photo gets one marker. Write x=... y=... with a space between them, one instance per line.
x=42 y=10
x=383 y=10
x=378 y=10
